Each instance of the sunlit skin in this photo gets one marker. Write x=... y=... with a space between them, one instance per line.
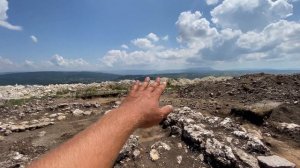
x=99 y=144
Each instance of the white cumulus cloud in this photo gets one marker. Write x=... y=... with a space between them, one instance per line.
x=153 y=37
x=143 y=43
x=124 y=59
x=165 y=38
x=211 y=2
x=5 y=62
x=60 y=61
x=195 y=31
x=239 y=33
x=28 y=63
x=34 y=38
x=221 y=43
x=248 y=15
x=278 y=39
x=124 y=46
x=4 y=17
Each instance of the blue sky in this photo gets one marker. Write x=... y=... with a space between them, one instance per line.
x=148 y=34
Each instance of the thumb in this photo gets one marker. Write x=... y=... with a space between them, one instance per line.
x=166 y=110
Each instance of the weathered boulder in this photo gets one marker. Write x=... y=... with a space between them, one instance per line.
x=195 y=136
x=274 y=161
x=246 y=158
x=254 y=144
x=219 y=154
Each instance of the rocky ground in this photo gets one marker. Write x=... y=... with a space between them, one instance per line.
x=247 y=121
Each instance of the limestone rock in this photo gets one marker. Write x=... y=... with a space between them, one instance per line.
x=154 y=155
x=136 y=153
x=78 y=112
x=194 y=135
x=161 y=145
x=128 y=148
x=179 y=159
x=227 y=123
x=62 y=117
x=87 y=112
x=254 y=143
x=175 y=130
x=249 y=160
x=221 y=154
x=289 y=127
x=274 y=161
x=53 y=115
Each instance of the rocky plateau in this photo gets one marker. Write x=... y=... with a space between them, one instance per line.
x=247 y=121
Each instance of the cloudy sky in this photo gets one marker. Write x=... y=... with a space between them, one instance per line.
x=149 y=34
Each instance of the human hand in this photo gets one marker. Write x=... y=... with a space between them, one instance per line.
x=142 y=103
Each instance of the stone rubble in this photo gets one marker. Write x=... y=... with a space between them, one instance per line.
x=9 y=128
x=129 y=148
x=38 y=91
x=254 y=143
x=28 y=91
x=220 y=149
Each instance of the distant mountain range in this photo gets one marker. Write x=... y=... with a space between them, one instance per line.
x=170 y=71
x=58 y=77
x=49 y=77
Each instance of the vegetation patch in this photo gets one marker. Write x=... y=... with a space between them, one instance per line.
x=93 y=92
x=15 y=102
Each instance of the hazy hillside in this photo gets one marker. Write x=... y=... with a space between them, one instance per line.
x=44 y=78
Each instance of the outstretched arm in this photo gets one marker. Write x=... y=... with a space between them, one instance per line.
x=100 y=144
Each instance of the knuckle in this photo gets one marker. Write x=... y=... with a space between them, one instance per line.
x=159 y=89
